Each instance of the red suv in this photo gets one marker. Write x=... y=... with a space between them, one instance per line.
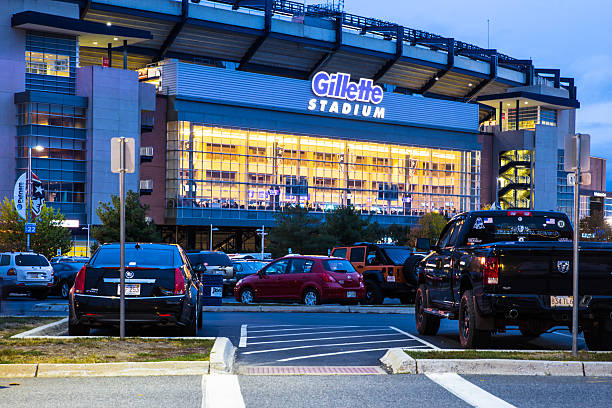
x=309 y=279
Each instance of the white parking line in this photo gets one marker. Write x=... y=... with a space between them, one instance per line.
x=467 y=391
x=428 y=344
x=221 y=390
x=243 y=336
x=324 y=338
x=330 y=354
x=327 y=345
x=323 y=332
x=294 y=328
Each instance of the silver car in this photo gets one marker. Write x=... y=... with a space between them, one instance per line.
x=25 y=272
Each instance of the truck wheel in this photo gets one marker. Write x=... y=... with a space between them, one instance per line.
x=425 y=323
x=469 y=335
x=598 y=339
x=374 y=294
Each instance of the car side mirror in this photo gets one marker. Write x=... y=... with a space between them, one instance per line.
x=424 y=244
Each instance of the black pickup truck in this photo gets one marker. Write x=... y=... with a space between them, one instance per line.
x=495 y=269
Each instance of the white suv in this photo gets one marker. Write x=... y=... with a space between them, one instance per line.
x=23 y=272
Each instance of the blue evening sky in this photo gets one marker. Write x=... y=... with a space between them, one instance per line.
x=574 y=36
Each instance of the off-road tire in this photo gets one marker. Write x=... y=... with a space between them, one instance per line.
x=469 y=335
x=426 y=323
x=374 y=293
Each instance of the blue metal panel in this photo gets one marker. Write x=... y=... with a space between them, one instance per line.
x=224 y=86
x=273 y=120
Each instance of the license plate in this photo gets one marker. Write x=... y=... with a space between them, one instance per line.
x=561 y=301
x=216 y=291
x=390 y=278
x=131 y=289
x=351 y=294
x=36 y=275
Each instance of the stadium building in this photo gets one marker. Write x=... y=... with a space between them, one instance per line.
x=241 y=107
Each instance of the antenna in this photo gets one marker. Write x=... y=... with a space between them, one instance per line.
x=488 y=38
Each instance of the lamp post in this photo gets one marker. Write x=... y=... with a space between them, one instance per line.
x=38 y=148
x=87 y=251
x=263 y=234
x=211 y=235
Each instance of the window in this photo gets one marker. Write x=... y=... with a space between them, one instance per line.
x=301 y=265
x=340 y=253
x=338 y=266
x=47 y=64
x=456 y=230
x=277 y=268
x=357 y=254
x=31 y=260
x=5 y=260
x=445 y=237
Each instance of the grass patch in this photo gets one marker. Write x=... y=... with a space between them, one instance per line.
x=510 y=355
x=10 y=326
x=102 y=350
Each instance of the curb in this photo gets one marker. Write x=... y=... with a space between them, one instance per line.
x=39 y=329
x=222 y=356
x=312 y=309
x=125 y=369
x=398 y=362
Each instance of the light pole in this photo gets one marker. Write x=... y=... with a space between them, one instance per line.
x=263 y=234
x=87 y=251
x=211 y=235
x=29 y=190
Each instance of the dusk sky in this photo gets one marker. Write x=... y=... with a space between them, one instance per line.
x=574 y=36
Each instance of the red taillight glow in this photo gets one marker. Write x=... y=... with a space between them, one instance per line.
x=490 y=270
x=328 y=278
x=179 y=282
x=79 y=281
x=11 y=272
x=519 y=213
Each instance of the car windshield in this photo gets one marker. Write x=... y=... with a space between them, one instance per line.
x=485 y=230
x=145 y=257
x=253 y=267
x=338 y=265
x=31 y=260
x=397 y=255
x=215 y=259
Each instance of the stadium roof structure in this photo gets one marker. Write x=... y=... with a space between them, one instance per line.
x=289 y=38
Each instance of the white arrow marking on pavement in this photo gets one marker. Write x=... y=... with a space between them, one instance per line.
x=467 y=391
x=323 y=332
x=243 y=336
x=221 y=391
x=428 y=344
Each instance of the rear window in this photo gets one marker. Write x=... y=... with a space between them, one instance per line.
x=31 y=260
x=215 y=259
x=146 y=257
x=338 y=265
x=486 y=230
x=340 y=253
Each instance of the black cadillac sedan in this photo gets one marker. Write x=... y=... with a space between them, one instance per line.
x=160 y=289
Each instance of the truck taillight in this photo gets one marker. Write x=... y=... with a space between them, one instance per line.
x=179 y=282
x=490 y=270
x=79 y=281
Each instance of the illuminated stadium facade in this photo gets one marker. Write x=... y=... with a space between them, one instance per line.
x=240 y=108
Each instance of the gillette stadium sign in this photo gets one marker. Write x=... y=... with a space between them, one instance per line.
x=336 y=93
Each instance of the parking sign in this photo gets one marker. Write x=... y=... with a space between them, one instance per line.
x=30 y=228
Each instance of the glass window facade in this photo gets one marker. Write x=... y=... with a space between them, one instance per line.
x=565 y=192
x=250 y=169
x=61 y=165
x=51 y=62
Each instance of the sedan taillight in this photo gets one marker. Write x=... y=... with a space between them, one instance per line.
x=179 y=282
x=328 y=278
x=11 y=272
x=79 y=281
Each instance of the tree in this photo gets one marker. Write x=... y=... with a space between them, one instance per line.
x=429 y=226
x=137 y=228
x=295 y=228
x=50 y=235
x=346 y=226
x=399 y=234
x=595 y=228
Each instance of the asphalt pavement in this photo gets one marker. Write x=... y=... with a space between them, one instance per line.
x=226 y=391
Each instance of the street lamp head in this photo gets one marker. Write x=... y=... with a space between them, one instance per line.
x=39 y=148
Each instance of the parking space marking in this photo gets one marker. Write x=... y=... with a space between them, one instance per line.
x=294 y=328
x=327 y=345
x=428 y=344
x=330 y=354
x=323 y=338
x=323 y=332
x=467 y=391
x=243 y=336
x=221 y=390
